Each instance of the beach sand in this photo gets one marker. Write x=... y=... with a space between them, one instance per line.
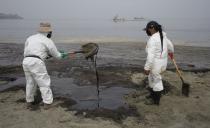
x=120 y=66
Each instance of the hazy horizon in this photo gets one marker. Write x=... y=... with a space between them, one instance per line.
x=184 y=20
x=106 y=9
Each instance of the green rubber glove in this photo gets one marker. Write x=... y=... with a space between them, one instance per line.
x=64 y=55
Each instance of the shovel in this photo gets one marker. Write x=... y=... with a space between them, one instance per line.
x=89 y=50
x=185 y=86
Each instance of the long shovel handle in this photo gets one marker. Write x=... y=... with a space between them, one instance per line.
x=185 y=86
x=178 y=71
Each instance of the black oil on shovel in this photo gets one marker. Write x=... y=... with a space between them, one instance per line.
x=185 y=86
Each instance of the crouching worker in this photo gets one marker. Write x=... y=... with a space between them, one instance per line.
x=37 y=48
x=158 y=48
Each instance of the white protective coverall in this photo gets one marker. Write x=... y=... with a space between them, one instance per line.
x=35 y=69
x=157 y=59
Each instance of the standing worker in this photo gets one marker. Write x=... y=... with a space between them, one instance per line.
x=37 y=48
x=158 y=48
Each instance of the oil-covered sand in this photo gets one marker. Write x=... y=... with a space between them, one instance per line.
x=122 y=90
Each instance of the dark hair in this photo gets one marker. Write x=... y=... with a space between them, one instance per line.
x=157 y=27
x=161 y=36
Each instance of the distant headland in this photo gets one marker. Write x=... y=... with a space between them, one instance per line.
x=10 y=16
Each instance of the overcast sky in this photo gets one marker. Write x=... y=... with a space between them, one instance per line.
x=107 y=8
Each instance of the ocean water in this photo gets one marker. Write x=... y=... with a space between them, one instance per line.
x=180 y=31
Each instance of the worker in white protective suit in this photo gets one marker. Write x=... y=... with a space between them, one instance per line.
x=158 y=48
x=37 y=48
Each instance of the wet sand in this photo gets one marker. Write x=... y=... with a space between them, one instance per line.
x=122 y=86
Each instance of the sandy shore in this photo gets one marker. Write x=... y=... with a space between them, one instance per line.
x=120 y=70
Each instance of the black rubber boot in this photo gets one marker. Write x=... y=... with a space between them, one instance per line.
x=157 y=96
x=31 y=106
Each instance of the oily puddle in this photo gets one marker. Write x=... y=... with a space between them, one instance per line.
x=78 y=89
x=80 y=85
x=84 y=100
x=86 y=96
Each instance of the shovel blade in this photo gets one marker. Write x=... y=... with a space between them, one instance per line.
x=185 y=89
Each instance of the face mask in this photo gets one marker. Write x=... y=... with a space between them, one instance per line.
x=148 y=32
x=49 y=35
